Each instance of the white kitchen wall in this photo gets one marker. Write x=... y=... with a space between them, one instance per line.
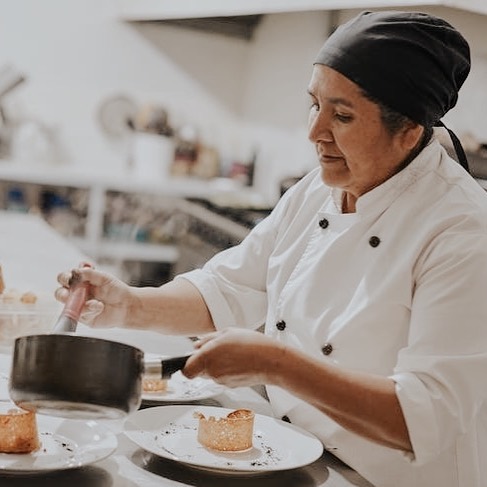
x=75 y=54
x=242 y=96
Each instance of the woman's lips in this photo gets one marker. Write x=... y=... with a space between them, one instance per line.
x=330 y=158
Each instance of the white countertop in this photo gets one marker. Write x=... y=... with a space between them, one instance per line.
x=32 y=253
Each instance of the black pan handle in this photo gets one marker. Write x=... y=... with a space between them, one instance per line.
x=171 y=365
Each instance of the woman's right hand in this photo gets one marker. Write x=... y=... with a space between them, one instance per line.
x=109 y=299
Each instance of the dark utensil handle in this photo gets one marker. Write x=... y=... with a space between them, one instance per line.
x=171 y=365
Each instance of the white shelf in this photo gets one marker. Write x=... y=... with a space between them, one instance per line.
x=478 y=6
x=93 y=244
x=178 y=9
x=138 y=10
x=66 y=175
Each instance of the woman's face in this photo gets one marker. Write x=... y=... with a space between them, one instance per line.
x=355 y=150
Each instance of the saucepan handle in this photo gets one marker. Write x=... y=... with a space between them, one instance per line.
x=173 y=364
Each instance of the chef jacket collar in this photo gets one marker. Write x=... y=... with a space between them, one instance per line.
x=381 y=197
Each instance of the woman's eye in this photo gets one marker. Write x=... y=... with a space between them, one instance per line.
x=343 y=117
x=314 y=106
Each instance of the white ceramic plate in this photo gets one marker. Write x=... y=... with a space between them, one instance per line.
x=182 y=389
x=171 y=432
x=65 y=444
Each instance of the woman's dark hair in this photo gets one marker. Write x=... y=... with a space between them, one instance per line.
x=395 y=121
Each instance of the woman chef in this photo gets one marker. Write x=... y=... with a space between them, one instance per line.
x=370 y=274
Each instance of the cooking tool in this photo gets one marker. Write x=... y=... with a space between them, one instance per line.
x=79 y=377
x=68 y=320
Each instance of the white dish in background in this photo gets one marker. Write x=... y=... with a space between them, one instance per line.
x=65 y=444
x=182 y=389
x=4 y=394
x=171 y=432
x=19 y=318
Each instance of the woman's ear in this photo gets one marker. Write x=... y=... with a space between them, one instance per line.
x=411 y=135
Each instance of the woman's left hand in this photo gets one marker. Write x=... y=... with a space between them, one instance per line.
x=235 y=358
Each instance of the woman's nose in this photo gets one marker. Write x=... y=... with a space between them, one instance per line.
x=319 y=127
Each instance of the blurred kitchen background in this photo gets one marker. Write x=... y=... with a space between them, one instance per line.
x=155 y=133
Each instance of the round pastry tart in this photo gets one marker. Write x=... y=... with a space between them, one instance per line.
x=232 y=433
x=152 y=380
x=18 y=430
x=150 y=384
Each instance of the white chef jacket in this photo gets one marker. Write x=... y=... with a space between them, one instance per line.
x=398 y=288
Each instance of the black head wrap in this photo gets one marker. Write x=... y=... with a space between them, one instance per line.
x=412 y=62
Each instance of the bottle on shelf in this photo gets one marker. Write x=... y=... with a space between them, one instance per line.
x=16 y=200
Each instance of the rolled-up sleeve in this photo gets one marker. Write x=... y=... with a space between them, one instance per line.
x=440 y=375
